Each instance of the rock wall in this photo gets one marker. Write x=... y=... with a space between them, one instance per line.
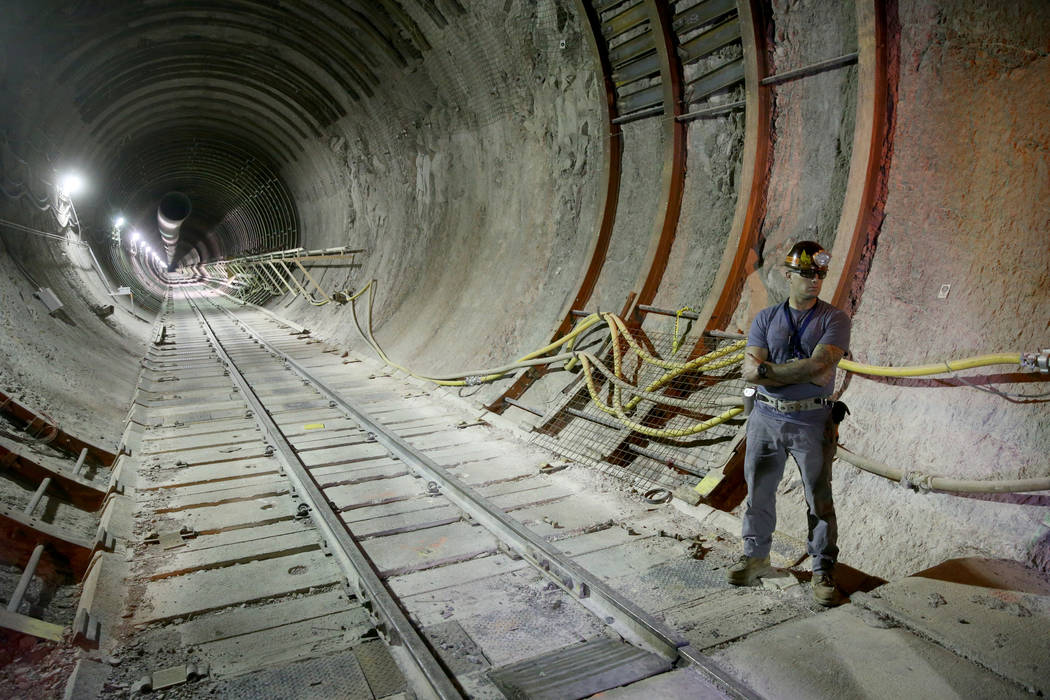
x=71 y=364
x=471 y=183
x=966 y=207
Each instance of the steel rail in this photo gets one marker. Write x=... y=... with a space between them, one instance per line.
x=629 y=621
x=352 y=559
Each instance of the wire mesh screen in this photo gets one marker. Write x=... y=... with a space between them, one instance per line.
x=579 y=429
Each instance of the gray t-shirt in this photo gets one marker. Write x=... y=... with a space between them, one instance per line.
x=771 y=330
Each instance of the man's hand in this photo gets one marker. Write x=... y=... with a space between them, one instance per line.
x=817 y=369
x=753 y=357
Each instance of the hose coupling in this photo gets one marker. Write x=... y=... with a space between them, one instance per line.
x=1037 y=360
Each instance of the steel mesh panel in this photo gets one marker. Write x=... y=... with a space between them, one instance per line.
x=336 y=676
x=579 y=430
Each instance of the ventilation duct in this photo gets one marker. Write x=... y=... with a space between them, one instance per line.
x=173 y=210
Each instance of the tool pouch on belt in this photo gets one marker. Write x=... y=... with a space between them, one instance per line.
x=839 y=411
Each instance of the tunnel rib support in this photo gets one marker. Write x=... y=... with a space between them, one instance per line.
x=673 y=173
x=740 y=256
x=862 y=210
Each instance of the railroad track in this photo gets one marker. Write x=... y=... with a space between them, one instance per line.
x=295 y=505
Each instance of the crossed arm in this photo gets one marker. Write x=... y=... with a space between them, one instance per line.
x=816 y=369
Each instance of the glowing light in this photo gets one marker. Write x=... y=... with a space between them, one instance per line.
x=71 y=184
x=119 y=221
x=135 y=235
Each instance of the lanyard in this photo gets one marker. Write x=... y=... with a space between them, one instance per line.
x=797 y=331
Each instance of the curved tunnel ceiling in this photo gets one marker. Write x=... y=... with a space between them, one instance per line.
x=215 y=99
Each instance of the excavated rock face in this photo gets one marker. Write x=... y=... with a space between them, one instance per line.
x=461 y=147
x=964 y=208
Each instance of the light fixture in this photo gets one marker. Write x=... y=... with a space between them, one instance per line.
x=71 y=184
x=119 y=221
x=135 y=235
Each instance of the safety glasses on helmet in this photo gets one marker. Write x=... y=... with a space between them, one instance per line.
x=810 y=274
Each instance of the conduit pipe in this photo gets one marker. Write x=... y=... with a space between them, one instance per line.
x=926 y=482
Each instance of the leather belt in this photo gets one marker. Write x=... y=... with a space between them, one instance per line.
x=783 y=406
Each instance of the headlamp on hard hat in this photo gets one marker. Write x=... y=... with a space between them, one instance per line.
x=807 y=255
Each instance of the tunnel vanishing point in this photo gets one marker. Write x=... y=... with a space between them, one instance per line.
x=432 y=189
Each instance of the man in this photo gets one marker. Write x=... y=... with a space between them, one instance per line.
x=793 y=349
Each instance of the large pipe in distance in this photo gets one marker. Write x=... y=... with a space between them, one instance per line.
x=173 y=210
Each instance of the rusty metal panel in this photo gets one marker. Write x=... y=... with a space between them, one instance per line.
x=649 y=97
x=629 y=18
x=631 y=49
x=715 y=80
x=710 y=41
x=636 y=70
x=704 y=13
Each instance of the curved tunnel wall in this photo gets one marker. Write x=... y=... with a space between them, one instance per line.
x=461 y=145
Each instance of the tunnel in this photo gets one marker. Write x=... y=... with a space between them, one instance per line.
x=511 y=211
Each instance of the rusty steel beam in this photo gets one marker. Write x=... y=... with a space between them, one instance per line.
x=726 y=486
x=21 y=534
x=613 y=155
x=750 y=208
x=673 y=172
x=740 y=255
x=43 y=428
x=75 y=489
x=862 y=209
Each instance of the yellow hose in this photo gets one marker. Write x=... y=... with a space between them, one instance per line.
x=1002 y=358
x=568 y=338
x=617 y=411
x=727 y=355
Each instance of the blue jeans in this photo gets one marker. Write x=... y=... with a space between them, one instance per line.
x=769 y=442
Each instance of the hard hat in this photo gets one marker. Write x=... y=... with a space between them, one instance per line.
x=807 y=255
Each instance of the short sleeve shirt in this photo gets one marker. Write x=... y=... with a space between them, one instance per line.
x=771 y=330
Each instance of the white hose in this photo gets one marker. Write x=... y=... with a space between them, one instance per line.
x=926 y=482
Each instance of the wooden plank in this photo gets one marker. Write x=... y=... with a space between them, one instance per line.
x=17 y=622
x=204 y=591
x=180 y=562
x=52 y=434
x=707 y=42
x=413 y=551
x=306 y=639
x=241 y=621
x=81 y=492
x=21 y=534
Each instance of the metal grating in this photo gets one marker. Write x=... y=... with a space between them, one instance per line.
x=579 y=671
x=579 y=430
x=336 y=676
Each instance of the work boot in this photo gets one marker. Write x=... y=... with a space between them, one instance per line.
x=747 y=570
x=824 y=590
